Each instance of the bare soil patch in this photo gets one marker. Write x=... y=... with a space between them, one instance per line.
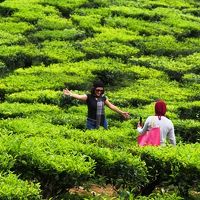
x=95 y=190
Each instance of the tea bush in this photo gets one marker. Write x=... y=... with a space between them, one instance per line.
x=142 y=51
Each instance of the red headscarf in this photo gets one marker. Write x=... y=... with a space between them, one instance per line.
x=160 y=108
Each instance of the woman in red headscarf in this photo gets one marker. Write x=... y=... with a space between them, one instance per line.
x=160 y=120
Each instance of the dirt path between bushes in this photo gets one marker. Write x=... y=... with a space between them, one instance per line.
x=95 y=190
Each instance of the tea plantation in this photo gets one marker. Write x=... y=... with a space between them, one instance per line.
x=143 y=50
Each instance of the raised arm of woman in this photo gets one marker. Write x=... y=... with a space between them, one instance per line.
x=116 y=109
x=82 y=97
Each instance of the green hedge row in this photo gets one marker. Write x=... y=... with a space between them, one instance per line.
x=61 y=163
x=15 y=56
x=54 y=23
x=191 y=110
x=13 y=110
x=10 y=39
x=136 y=12
x=77 y=75
x=139 y=26
x=75 y=117
x=11 y=187
x=41 y=96
x=167 y=45
x=153 y=48
x=119 y=167
x=151 y=90
x=37 y=158
x=154 y=196
x=177 y=166
x=66 y=34
x=188 y=130
x=175 y=69
x=15 y=27
x=166 y=4
x=30 y=12
x=54 y=77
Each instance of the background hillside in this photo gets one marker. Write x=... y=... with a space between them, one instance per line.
x=143 y=50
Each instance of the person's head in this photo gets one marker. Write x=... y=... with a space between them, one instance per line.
x=98 y=88
x=160 y=108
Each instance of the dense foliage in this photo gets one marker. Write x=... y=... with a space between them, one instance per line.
x=143 y=50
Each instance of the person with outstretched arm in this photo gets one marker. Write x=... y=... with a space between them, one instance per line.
x=96 y=101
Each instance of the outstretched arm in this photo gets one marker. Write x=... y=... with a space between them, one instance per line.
x=116 y=109
x=82 y=97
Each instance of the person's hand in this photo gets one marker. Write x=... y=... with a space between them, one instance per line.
x=126 y=115
x=139 y=125
x=67 y=92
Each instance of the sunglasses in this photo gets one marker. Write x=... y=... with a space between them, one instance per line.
x=99 y=90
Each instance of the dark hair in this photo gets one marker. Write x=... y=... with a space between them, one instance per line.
x=95 y=85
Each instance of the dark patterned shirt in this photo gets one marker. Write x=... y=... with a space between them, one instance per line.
x=92 y=107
